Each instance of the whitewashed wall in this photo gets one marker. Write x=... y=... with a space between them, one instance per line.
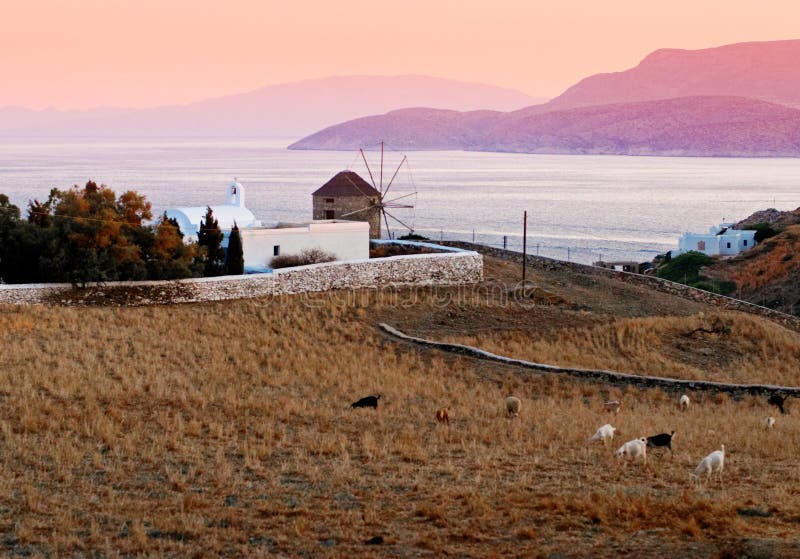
x=347 y=240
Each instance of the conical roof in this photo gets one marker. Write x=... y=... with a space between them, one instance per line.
x=347 y=183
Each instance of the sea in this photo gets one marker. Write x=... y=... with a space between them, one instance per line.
x=581 y=208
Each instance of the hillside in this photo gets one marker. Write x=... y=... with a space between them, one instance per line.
x=768 y=274
x=692 y=126
x=125 y=433
x=285 y=110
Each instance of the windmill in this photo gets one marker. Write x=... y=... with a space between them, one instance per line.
x=396 y=199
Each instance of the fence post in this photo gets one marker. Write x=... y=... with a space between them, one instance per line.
x=441 y=234
x=568 y=254
x=505 y=242
x=473 y=236
x=524 y=243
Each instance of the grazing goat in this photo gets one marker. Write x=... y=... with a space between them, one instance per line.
x=769 y=423
x=714 y=462
x=613 y=406
x=684 y=402
x=661 y=440
x=443 y=415
x=367 y=402
x=633 y=450
x=604 y=434
x=513 y=405
x=777 y=400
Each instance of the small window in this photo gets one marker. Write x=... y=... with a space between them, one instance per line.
x=729 y=245
x=329 y=200
x=701 y=245
x=276 y=250
x=745 y=242
x=329 y=214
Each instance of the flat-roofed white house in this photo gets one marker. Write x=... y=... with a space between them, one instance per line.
x=721 y=240
x=346 y=240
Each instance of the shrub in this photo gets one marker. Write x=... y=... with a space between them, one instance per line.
x=306 y=256
x=763 y=231
x=685 y=268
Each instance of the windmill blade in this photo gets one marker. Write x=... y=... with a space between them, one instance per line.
x=385 y=213
x=357 y=211
x=399 y=198
x=381 y=183
x=364 y=157
x=386 y=221
x=388 y=186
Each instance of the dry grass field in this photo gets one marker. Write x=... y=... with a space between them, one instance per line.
x=225 y=429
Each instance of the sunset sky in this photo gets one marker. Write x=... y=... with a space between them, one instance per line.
x=87 y=53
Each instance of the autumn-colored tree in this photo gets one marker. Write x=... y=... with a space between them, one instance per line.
x=170 y=257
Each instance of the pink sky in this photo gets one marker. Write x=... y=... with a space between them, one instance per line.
x=87 y=53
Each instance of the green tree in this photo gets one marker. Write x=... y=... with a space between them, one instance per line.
x=685 y=268
x=9 y=221
x=210 y=240
x=234 y=256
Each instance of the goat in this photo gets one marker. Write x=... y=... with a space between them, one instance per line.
x=367 y=402
x=777 y=400
x=604 y=433
x=684 y=402
x=443 y=415
x=513 y=405
x=661 y=440
x=612 y=406
x=633 y=450
x=714 y=462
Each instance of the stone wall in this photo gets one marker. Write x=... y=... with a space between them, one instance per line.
x=446 y=268
x=609 y=377
x=651 y=282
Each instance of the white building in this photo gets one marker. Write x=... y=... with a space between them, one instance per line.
x=721 y=240
x=226 y=214
x=346 y=240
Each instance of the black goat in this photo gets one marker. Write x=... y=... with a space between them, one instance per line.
x=367 y=402
x=661 y=440
x=777 y=400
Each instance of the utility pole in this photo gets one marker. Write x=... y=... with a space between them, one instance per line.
x=524 y=243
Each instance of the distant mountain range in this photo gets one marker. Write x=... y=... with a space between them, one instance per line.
x=287 y=110
x=735 y=100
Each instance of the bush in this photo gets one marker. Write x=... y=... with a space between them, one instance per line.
x=763 y=231
x=685 y=268
x=307 y=256
x=413 y=237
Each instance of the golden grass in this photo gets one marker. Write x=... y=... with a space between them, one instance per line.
x=723 y=347
x=225 y=429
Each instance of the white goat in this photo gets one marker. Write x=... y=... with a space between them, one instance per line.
x=513 y=405
x=632 y=450
x=714 y=462
x=684 y=402
x=769 y=423
x=604 y=434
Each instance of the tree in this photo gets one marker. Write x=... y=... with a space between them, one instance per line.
x=210 y=240
x=9 y=221
x=169 y=257
x=234 y=257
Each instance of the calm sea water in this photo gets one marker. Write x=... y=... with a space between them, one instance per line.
x=579 y=207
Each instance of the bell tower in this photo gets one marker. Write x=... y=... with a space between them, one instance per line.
x=235 y=194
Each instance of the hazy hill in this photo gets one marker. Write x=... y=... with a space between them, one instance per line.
x=292 y=109
x=769 y=71
x=734 y=100
x=697 y=126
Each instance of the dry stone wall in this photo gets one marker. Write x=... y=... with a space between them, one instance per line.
x=448 y=268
